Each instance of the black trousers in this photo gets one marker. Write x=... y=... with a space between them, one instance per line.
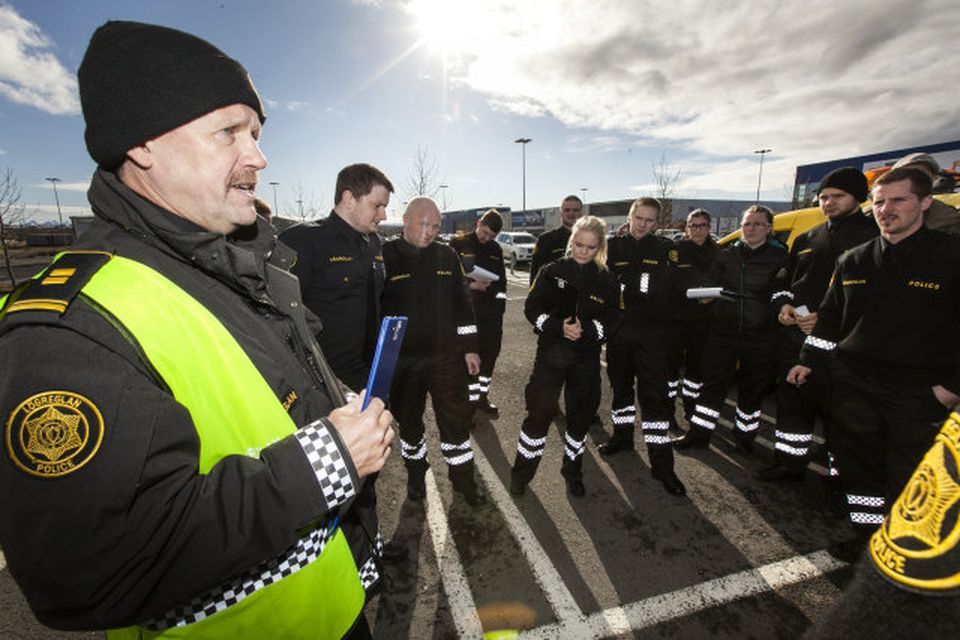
x=687 y=341
x=881 y=432
x=443 y=376
x=489 y=338
x=798 y=407
x=577 y=371
x=640 y=355
x=750 y=359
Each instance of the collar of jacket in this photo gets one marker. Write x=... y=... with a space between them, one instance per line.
x=905 y=246
x=846 y=218
x=344 y=227
x=239 y=261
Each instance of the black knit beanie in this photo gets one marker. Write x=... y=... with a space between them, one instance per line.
x=847 y=179
x=139 y=81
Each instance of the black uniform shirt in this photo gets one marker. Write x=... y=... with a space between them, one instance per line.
x=426 y=285
x=814 y=254
x=693 y=268
x=341 y=279
x=492 y=301
x=550 y=246
x=893 y=311
x=646 y=270
x=565 y=289
x=759 y=276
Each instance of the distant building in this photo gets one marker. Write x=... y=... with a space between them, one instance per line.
x=725 y=214
x=808 y=176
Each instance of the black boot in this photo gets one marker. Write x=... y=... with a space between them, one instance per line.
x=622 y=440
x=743 y=443
x=465 y=483
x=572 y=472
x=694 y=439
x=488 y=407
x=661 y=468
x=416 y=485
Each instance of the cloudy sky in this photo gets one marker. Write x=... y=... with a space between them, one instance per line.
x=604 y=88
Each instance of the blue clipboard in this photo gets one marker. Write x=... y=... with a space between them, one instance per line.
x=385 y=358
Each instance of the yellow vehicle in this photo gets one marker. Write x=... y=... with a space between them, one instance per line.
x=790 y=224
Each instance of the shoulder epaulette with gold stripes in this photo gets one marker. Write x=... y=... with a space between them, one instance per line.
x=56 y=287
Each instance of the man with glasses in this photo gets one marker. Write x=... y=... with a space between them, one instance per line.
x=742 y=330
x=688 y=334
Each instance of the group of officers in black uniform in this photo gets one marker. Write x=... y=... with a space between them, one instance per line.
x=840 y=325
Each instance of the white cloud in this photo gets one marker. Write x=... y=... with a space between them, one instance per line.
x=29 y=73
x=813 y=81
x=289 y=105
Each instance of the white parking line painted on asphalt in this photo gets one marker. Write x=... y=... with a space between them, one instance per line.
x=684 y=602
x=564 y=605
x=463 y=608
x=3 y=561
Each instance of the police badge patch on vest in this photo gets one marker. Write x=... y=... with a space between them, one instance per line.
x=54 y=433
x=918 y=546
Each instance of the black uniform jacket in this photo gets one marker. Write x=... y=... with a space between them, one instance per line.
x=814 y=255
x=565 y=289
x=491 y=302
x=647 y=272
x=758 y=277
x=138 y=530
x=693 y=269
x=550 y=246
x=426 y=285
x=341 y=278
x=893 y=311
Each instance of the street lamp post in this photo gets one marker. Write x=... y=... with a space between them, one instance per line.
x=56 y=197
x=276 y=209
x=523 y=142
x=443 y=196
x=762 y=153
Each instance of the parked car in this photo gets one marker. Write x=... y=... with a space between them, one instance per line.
x=517 y=246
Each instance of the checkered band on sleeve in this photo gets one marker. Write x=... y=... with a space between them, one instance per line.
x=303 y=552
x=781 y=294
x=332 y=471
x=466 y=330
x=541 y=319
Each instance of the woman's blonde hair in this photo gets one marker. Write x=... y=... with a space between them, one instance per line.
x=599 y=228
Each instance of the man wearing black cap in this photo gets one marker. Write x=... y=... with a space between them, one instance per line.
x=886 y=333
x=812 y=259
x=178 y=461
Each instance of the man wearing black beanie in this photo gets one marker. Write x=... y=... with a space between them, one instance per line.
x=180 y=460
x=812 y=259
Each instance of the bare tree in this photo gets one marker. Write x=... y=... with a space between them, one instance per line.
x=666 y=177
x=423 y=179
x=305 y=207
x=11 y=215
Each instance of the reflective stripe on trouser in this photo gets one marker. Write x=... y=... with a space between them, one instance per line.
x=655 y=433
x=748 y=422
x=793 y=445
x=691 y=388
x=672 y=387
x=415 y=452
x=866 y=510
x=557 y=366
x=704 y=419
x=457 y=454
x=623 y=419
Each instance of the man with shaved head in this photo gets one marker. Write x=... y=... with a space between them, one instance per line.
x=424 y=281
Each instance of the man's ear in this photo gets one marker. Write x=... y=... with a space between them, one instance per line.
x=141 y=156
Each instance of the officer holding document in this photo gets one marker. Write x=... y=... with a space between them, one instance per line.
x=482 y=260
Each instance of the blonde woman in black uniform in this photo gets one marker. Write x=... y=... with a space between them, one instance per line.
x=573 y=305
